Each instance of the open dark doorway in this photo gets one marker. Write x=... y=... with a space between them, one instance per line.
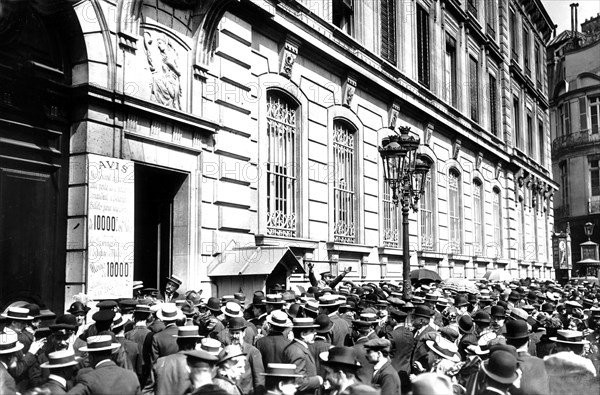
x=161 y=222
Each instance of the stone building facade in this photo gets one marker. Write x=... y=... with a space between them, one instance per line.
x=574 y=81
x=194 y=129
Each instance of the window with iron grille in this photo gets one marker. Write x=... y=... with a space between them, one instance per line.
x=514 y=37
x=541 y=142
x=564 y=183
x=564 y=118
x=595 y=177
x=594 y=113
x=282 y=199
x=391 y=219
x=474 y=88
x=472 y=7
x=344 y=183
x=490 y=17
x=454 y=205
x=426 y=207
x=477 y=217
x=423 y=46
x=526 y=51
x=450 y=71
x=493 y=97
x=516 y=123
x=497 y=214
x=342 y=15
x=388 y=30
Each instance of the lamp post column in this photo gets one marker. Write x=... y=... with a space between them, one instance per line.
x=406 y=289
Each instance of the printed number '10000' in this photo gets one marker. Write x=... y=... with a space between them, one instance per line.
x=117 y=269
x=102 y=222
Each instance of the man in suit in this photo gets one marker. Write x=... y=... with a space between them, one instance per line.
x=535 y=378
x=62 y=367
x=363 y=331
x=230 y=367
x=418 y=359
x=130 y=356
x=403 y=342
x=322 y=341
x=138 y=335
x=340 y=364
x=272 y=345
x=329 y=304
x=385 y=376
x=9 y=347
x=18 y=319
x=170 y=295
x=164 y=343
x=106 y=377
x=298 y=353
x=252 y=381
x=169 y=374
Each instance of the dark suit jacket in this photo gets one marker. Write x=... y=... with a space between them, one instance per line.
x=252 y=381
x=107 y=379
x=54 y=387
x=320 y=345
x=340 y=329
x=535 y=378
x=7 y=383
x=271 y=347
x=365 y=372
x=169 y=376
x=387 y=380
x=420 y=350
x=300 y=356
x=403 y=342
x=163 y=343
x=134 y=356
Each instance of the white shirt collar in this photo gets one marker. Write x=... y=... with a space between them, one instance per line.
x=101 y=362
x=58 y=379
x=3 y=364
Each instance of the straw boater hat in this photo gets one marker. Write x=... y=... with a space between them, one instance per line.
x=9 y=343
x=232 y=309
x=279 y=319
x=229 y=352
x=281 y=370
x=187 y=332
x=569 y=337
x=304 y=323
x=444 y=348
x=174 y=279
x=274 y=299
x=100 y=343
x=169 y=312
x=17 y=313
x=60 y=359
x=211 y=346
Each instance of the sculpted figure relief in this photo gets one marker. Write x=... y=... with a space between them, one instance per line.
x=162 y=59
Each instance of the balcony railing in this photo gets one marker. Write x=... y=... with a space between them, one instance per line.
x=580 y=137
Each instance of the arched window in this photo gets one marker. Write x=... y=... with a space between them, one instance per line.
x=478 y=237
x=281 y=164
x=427 y=207
x=454 y=204
x=497 y=214
x=344 y=182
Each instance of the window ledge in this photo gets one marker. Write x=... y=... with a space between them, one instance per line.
x=431 y=255
x=389 y=251
x=459 y=257
x=292 y=242
x=349 y=248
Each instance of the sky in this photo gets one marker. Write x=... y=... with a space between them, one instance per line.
x=560 y=12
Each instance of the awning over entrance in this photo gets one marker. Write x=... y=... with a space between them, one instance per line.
x=253 y=261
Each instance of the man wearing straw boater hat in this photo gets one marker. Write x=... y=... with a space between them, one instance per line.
x=171 y=295
x=106 y=377
x=299 y=354
x=163 y=343
x=9 y=347
x=280 y=379
x=272 y=345
x=169 y=374
x=61 y=365
x=17 y=320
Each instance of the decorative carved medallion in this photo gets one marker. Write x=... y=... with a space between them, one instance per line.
x=349 y=88
x=288 y=57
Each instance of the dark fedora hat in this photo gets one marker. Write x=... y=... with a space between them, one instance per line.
x=465 y=323
x=498 y=312
x=258 y=300
x=237 y=323
x=281 y=370
x=501 y=367
x=422 y=311
x=516 y=329
x=294 y=310
x=340 y=356
x=104 y=316
x=106 y=305
x=325 y=324
x=213 y=304
x=481 y=316
x=64 y=322
x=460 y=301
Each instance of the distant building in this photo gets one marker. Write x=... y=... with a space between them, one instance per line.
x=146 y=138
x=574 y=88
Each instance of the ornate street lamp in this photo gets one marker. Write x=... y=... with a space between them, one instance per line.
x=405 y=170
x=588 y=228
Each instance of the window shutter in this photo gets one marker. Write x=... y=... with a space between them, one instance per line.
x=388 y=31
x=582 y=114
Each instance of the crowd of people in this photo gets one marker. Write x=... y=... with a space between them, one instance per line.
x=339 y=337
